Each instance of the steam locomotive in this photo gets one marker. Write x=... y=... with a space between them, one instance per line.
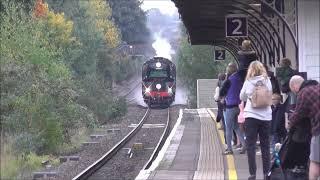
x=158 y=81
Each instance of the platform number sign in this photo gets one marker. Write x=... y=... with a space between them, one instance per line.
x=236 y=26
x=220 y=55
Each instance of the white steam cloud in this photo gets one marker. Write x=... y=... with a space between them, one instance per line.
x=162 y=46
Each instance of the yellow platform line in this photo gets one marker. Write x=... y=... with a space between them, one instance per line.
x=232 y=173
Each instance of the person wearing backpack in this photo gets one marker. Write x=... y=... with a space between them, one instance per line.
x=257 y=92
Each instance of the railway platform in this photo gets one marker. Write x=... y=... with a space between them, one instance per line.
x=193 y=151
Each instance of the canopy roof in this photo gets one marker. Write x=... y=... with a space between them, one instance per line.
x=205 y=19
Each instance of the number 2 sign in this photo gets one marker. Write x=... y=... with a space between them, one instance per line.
x=236 y=25
x=220 y=55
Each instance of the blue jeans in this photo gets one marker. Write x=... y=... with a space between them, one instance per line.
x=224 y=116
x=224 y=126
x=231 y=117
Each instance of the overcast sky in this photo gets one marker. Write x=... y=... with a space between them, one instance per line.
x=165 y=6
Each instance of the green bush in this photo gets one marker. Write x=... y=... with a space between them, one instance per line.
x=26 y=143
x=52 y=136
x=118 y=108
x=105 y=106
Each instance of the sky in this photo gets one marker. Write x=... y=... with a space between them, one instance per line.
x=165 y=6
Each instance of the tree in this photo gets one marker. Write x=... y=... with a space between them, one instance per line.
x=131 y=20
x=37 y=91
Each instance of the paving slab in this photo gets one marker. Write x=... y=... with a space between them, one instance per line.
x=195 y=152
x=198 y=155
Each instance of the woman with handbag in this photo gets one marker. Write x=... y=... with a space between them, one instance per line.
x=257 y=92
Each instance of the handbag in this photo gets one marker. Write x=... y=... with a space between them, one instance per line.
x=261 y=96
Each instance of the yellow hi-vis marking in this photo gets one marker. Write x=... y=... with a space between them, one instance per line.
x=232 y=173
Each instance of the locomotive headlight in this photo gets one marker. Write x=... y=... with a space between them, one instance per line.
x=148 y=90
x=170 y=90
x=158 y=65
x=158 y=86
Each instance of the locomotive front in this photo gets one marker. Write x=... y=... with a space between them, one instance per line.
x=158 y=81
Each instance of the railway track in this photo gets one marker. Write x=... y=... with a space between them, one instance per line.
x=115 y=162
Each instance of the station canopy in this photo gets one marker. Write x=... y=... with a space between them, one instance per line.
x=205 y=19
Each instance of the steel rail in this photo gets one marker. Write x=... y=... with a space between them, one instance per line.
x=160 y=143
x=85 y=174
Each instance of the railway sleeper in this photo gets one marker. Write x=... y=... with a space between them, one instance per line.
x=136 y=148
x=90 y=143
x=148 y=126
x=46 y=164
x=97 y=136
x=68 y=158
x=113 y=130
x=44 y=175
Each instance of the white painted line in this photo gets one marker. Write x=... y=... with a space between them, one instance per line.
x=198 y=93
x=149 y=148
x=148 y=126
x=154 y=124
x=144 y=174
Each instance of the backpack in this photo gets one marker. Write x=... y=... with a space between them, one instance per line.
x=261 y=96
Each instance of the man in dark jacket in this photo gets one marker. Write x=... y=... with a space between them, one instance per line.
x=308 y=108
x=284 y=73
x=245 y=57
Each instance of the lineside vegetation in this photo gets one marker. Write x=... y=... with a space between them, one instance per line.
x=58 y=64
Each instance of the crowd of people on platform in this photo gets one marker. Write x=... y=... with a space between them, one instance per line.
x=252 y=112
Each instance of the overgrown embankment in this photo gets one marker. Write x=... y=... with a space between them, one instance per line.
x=58 y=63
